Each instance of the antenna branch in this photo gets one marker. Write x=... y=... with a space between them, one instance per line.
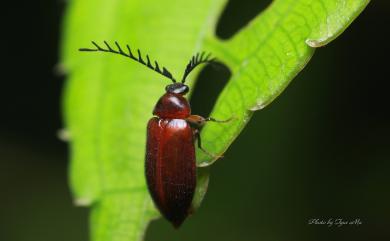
x=166 y=73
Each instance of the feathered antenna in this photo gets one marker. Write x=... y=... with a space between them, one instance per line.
x=139 y=59
x=195 y=61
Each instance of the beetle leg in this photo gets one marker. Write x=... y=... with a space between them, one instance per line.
x=218 y=121
x=197 y=136
x=198 y=121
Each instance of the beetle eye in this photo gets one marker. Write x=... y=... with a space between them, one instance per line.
x=185 y=89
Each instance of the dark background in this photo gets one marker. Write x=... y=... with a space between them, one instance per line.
x=320 y=150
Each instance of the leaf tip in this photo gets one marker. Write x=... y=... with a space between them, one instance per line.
x=82 y=202
x=316 y=43
x=258 y=106
x=63 y=135
x=60 y=69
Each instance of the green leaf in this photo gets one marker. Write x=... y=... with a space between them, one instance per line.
x=108 y=99
x=266 y=55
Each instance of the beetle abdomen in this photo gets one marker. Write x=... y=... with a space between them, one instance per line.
x=170 y=167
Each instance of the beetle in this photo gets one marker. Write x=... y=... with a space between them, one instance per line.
x=170 y=164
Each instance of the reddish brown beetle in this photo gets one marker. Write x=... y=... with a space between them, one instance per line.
x=170 y=165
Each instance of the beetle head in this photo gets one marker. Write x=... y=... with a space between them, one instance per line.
x=177 y=88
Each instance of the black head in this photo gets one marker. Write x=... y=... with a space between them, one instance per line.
x=177 y=88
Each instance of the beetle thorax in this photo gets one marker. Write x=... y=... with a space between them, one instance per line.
x=172 y=106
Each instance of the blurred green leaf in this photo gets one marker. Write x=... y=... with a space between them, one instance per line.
x=108 y=100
